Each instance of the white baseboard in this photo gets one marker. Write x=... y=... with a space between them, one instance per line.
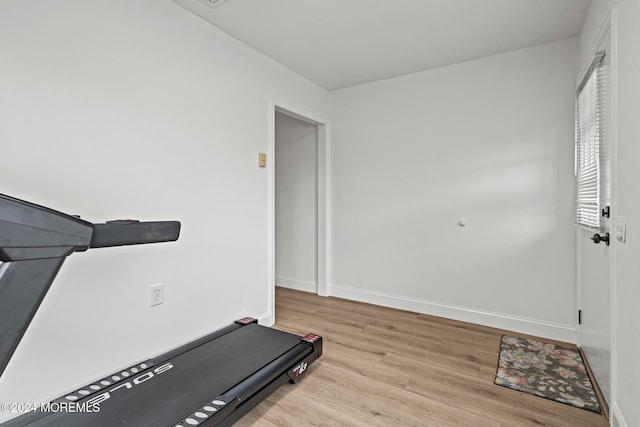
x=266 y=319
x=297 y=284
x=617 y=419
x=508 y=322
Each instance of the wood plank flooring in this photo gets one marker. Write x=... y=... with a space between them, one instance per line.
x=386 y=367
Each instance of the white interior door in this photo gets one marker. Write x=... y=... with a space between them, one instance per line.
x=594 y=265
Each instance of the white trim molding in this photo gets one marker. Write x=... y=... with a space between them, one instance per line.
x=555 y=331
x=297 y=284
x=617 y=419
x=615 y=409
x=266 y=319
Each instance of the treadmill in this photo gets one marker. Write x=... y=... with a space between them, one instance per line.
x=211 y=381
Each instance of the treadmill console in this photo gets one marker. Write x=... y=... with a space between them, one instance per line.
x=35 y=241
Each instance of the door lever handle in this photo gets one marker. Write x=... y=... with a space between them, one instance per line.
x=598 y=238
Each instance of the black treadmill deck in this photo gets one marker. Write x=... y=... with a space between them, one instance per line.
x=205 y=383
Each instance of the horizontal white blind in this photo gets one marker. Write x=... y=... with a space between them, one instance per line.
x=589 y=150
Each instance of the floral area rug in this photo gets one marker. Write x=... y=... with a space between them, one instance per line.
x=545 y=370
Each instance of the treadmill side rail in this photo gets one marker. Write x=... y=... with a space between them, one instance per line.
x=210 y=413
x=300 y=369
x=249 y=393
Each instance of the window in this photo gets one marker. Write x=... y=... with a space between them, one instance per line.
x=589 y=142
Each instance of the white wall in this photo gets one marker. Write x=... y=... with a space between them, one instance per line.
x=489 y=142
x=296 y=203
x=596 y=17
x=136 y=109
x=627 y=271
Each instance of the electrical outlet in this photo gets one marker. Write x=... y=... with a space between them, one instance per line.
x=156 y=294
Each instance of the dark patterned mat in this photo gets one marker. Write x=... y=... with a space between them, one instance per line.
x=545 y=370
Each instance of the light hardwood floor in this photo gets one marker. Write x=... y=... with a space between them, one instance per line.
x=386 y=367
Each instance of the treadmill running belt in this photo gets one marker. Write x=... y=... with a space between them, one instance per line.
x=195 y=376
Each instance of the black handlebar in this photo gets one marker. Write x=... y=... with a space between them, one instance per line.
x=131 y=232
x=35 y=241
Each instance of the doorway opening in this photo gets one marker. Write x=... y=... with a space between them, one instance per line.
x=298 y=203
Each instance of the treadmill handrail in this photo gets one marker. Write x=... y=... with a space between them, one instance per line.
x=34 y=243
x=122 y=233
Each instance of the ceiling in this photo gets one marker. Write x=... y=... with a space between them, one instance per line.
x=342 y=43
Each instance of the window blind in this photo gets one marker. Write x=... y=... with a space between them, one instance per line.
x=589 y=141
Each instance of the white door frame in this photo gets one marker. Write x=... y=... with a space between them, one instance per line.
x=323 y=205
x=614 y=410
